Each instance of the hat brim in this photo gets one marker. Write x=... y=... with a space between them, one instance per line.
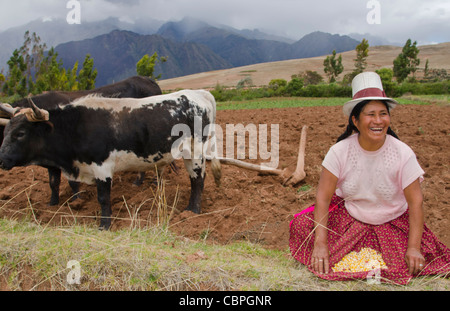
x=348 y=106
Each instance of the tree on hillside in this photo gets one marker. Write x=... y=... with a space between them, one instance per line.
x=362 y=52
x=32 y=51
x=333 y=67
x=16 y=81
x=24 y=62
x=86 y=77
x=72 y=79
x=51 y=75
x=32 y=70
x=407 y=61
x=146 y=65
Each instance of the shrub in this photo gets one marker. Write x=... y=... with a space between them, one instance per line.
x=311 y=77
x=326 y=90
x=275 y=84
x=247 y=81
x=435 y=88
x=294 y=87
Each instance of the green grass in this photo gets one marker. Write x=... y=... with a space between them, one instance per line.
x=279 y=102
x=291 y=102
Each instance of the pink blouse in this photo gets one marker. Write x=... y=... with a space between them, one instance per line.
x=372 y=182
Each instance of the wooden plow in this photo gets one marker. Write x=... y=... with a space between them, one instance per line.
x=290 y=180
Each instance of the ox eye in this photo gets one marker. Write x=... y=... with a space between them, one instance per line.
x=19 y=135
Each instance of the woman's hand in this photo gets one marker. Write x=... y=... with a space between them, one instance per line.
x=414 y=260
x=413 y=257
x=320 y=258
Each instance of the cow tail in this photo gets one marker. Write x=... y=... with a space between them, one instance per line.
x=217 y=170
x=216 y=167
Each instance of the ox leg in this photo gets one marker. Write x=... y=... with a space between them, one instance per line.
x=159 y=170
x=54 y=176
x=139 y=179
x=196 y=170
x=75 y=186
x=104 y=198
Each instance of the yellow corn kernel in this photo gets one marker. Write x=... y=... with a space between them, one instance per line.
x=365 y=260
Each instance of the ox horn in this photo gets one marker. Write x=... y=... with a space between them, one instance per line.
x=36 y=111
x=8 y=109
x=37 y=114
x=4 y=122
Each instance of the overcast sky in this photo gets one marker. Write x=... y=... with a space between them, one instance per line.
x=424 y=21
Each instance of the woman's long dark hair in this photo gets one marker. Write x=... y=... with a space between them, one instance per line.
x=356 y=112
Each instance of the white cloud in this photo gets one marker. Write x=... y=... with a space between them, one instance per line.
x=424 y=21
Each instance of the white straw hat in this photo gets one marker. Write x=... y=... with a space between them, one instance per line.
x=367 y=86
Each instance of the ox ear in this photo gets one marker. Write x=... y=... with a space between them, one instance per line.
x=6 y=110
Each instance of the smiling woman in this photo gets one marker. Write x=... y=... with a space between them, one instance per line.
x=373 y=125
x=369 y=196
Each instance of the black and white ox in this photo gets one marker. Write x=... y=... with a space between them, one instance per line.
x=133 y=87
x=95 y=137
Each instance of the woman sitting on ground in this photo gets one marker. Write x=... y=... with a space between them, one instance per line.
x=369 y=197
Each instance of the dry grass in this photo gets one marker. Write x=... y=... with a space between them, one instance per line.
x=150 y=257
x=35 y=258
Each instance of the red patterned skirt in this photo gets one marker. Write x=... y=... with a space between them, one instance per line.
x=346 y=234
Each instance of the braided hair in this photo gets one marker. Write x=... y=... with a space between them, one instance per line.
x=356 y=112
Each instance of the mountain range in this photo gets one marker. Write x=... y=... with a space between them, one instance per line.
x=191 y=46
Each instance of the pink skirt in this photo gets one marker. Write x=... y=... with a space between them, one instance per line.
x=346 y=234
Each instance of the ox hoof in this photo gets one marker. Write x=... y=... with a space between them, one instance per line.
x=194 y=210
x=74 y=198
x=54 y=200
x=104 y=225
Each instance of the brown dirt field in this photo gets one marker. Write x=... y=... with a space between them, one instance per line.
x=247 y=206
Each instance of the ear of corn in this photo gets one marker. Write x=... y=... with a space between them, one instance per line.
x=366 y=259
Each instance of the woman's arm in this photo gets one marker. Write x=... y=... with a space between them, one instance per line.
x=326 y=188
x=414 y=197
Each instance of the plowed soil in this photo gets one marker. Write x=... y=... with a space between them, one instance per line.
x=247 y=205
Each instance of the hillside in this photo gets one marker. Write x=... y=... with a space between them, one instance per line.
x=116 y=54
x=191 y=50
x=261 y=74
x=190 y=45
x=242 y=48
x=57 y=31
